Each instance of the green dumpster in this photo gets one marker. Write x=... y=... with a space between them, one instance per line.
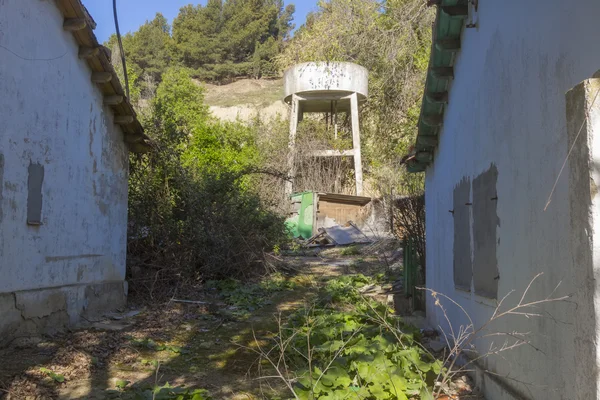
x=301 y=222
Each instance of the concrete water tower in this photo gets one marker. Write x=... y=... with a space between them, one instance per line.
x=326 y=87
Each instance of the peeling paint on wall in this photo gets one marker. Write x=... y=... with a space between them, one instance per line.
x=13 y=187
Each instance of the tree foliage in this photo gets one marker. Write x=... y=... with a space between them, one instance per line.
x=219 y=41
x=225 y=39
x=179 y=107
x=147 y=51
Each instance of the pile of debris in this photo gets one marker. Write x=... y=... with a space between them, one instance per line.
x=338 y=236
x=325 y=219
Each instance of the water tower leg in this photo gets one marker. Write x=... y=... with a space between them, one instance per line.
x=291 y=161
x=356 y=140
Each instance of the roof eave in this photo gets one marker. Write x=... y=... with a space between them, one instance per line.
x=447 y=32
x=98 y=59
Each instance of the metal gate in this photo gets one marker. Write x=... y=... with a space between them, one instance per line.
x=412 y=275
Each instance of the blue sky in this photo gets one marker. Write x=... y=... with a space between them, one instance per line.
x=133 y=13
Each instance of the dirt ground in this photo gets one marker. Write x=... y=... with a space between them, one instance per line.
x=244 y=91
x=184 y=344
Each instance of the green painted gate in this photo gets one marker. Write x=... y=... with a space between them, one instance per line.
x=412 y=277
x=411 y=266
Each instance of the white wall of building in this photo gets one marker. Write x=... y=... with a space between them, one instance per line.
x=507 y=107
x=51 y=114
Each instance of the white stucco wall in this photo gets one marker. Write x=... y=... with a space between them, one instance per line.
x=507 y=107
x=51 y=114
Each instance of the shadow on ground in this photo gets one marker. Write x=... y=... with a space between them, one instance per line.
x=191 y=345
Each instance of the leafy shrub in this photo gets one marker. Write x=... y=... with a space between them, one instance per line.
x=206 y=227
x=358 y=352
x=191 y=212
x=345 y=288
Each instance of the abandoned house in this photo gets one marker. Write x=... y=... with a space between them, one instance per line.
x=510 y=100
x=65 y=132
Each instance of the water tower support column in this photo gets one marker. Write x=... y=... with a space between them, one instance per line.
x=291 y=162
x=358 y=173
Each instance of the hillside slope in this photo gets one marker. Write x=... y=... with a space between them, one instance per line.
x=246 y=98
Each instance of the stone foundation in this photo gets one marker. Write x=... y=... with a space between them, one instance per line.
x=48 y=311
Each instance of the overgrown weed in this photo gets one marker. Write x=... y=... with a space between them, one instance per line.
x=337 y=347
x=350 y=251
x=243 y=298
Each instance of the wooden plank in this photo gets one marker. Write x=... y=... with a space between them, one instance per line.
x=431 y=141
x=84 y=37
x=433 y=120
x=448 y=44
x=89 y=19
x=113 y=100
x=106 y=89
x=107 y=52
x=424 y=156
x=74 y=24
x=437 y=97
x=101 y=77
x=66 y=8
x=416 y=166
x=86 y=52
x=443 y=72
x=456 y=11
x=124 y=109
x=124 y=119
x=94 y=63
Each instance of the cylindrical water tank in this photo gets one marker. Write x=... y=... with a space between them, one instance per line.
x=327 y=78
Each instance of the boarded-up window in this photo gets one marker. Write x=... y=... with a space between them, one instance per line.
x=1 y=184
x=34 y=196
x=485 y=222
x=463 y=269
